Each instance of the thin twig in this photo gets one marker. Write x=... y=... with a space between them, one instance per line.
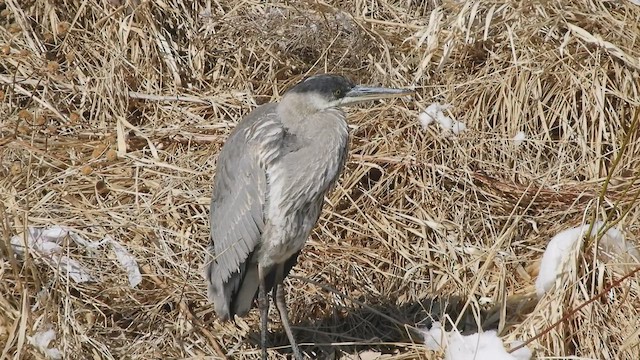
x=570 y=313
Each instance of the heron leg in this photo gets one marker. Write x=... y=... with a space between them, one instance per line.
x=278 y=295
x=263 y=305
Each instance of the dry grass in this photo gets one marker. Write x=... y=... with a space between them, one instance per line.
x=93 y=137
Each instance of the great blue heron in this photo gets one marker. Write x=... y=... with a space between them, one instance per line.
x=272 y=175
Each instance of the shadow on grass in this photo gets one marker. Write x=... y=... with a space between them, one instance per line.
x=387 y=327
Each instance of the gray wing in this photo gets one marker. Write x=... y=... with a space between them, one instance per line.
x=237 y=202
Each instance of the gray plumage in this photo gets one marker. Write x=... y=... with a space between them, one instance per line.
x=272 y=175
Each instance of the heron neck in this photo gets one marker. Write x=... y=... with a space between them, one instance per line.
x=302 y=118
x=295 y=109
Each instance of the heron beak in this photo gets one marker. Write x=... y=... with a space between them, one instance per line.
x=362 y=93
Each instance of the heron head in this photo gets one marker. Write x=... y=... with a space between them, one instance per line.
x=327 y=91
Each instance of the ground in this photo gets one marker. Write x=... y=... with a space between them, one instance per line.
x=114 y=113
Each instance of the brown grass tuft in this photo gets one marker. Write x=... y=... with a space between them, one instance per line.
x=143 y=94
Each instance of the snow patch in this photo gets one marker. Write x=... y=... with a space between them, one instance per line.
x=46 y=243
x=479 y=346
x=435 y=112
x=41 y=340
x=520 y=137
x=554 y=259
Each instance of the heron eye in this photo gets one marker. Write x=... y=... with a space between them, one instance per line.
x=337 y=93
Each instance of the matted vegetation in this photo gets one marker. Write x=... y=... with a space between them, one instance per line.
x=113 y=113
